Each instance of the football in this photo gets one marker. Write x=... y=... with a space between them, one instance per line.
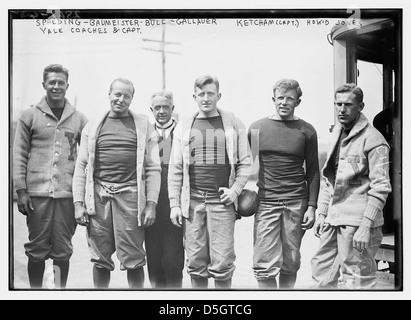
x=247 y=203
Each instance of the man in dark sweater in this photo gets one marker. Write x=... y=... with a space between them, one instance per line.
x=163 y=240
x=288 y=186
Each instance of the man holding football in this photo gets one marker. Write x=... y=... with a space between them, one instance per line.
x=209 y=167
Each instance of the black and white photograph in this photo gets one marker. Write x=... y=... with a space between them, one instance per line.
x=181 y=152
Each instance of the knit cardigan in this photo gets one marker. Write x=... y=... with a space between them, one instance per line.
x=238 y=152
x=45 y=150
x=147 y=163
x=362 y=181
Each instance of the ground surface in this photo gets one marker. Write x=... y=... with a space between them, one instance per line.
x=80 y=277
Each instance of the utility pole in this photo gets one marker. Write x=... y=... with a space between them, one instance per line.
x=163 y=51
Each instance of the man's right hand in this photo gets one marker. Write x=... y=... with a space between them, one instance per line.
x=24 y=203
x=176 y=216
x=80 y=214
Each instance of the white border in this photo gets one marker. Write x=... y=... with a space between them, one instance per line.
x=234 y=295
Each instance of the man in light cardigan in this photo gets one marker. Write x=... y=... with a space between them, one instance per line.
x=44 y=155
x=116 y=186
x=209 y=167
x=356 y=186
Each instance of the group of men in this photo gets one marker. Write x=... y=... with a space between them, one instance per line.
x=166 y=194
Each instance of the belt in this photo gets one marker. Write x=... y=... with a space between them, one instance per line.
x=116 y=188
x=204 y=195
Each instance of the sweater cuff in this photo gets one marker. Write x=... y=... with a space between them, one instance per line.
x=78 y=196
x=20 y=184
x=371 y=212
x=152 y=196
x=174 y=202
x=323 y=209
x=237 y=188
x=313 y=204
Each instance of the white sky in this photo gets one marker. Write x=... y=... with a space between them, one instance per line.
x=247 y=62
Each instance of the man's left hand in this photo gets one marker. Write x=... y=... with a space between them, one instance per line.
x=149 y=214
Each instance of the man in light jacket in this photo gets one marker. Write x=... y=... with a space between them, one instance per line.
x=209 y=167
x=116 y=185
x=356 y=186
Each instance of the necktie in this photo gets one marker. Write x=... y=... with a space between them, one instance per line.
x=163 y=134
x=163 y=131
x=162 y=138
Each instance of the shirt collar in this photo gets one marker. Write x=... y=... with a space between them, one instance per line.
x=165 y=126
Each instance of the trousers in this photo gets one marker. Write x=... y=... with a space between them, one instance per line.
x=277 y=237
x=209 y=238
x=114 y=227
x=165 y=249
x=336 y=255
x=51 y=227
